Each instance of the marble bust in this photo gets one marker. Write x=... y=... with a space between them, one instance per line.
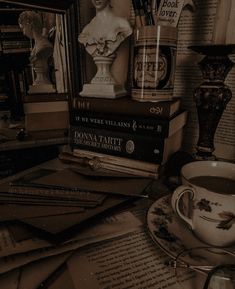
x=101 y=38
x=105 y=32
x=31 y=24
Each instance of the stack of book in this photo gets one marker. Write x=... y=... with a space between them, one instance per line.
x=46 y=113
x=13 y=40
x=133 y=137
x=4 y=101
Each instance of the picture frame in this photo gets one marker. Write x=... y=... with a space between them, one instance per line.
x=68 y=9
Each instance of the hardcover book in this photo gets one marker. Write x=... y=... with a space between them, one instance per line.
x=47 y=121
x=132 y=124
x=45 y=97
x=46 y=106
x=134 y=146
x=127 y=106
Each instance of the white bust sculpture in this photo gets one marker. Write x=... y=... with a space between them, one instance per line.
x=101 y=38
x=31 y=24
x=105 y=32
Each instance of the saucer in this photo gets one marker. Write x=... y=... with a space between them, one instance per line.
x=173 y=236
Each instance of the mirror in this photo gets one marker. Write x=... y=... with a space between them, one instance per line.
x=19 y=75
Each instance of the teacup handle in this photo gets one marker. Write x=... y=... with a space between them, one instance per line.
x=175 y=200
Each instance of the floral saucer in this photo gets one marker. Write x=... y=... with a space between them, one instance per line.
x=174 y=237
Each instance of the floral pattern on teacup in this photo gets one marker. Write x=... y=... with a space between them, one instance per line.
x=228 y=218
x=204 y=204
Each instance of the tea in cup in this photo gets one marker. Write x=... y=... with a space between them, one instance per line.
x=209 y=188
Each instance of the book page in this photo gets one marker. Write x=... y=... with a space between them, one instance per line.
x=8 y=246
x=63 y=281
x=197 y=28
x=32 y=275
x=131 y=261
x=10 y=280
x=16 y=253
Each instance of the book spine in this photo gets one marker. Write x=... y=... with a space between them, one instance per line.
x=47 y=106
x=46 y=97
x=130 y=124
x=15 y=44
x=144 y=109
x=132 y=146
x=10 y=29
x=46 y=121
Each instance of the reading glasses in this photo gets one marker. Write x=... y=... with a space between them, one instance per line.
x=215 y=266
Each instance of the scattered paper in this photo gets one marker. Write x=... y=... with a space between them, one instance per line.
x=109 y=227
x=10 y=280
x=34 y=274
x=71 y=180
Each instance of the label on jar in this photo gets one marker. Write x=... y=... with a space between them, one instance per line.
x=154 y=60
x=154 y=67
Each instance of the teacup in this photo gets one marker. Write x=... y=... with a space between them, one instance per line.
x=209 y=188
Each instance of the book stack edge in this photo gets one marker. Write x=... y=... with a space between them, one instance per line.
x=125 y=135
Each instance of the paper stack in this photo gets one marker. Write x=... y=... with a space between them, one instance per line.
x=46 y=213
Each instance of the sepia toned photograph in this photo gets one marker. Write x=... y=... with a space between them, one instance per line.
x=117 y=144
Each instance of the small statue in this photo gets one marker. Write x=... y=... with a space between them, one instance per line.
x=101 y=38
x=31 y=24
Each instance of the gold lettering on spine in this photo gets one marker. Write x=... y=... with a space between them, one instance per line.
x=98 y=141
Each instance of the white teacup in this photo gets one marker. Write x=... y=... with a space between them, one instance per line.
x=210 y=207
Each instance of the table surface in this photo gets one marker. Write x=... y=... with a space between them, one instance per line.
x=8 y=140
